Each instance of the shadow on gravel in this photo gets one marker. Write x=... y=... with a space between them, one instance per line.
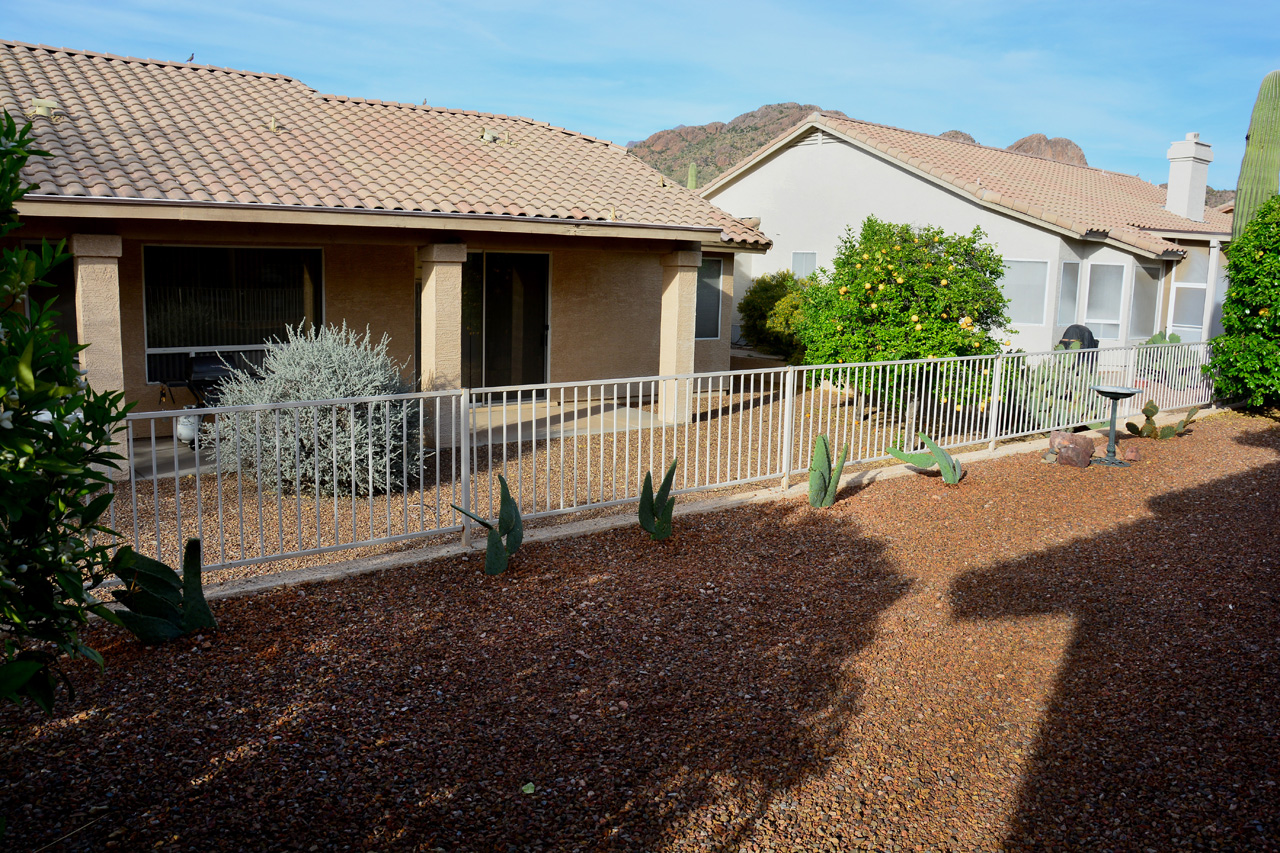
x=655 y=695
x=1164 y=729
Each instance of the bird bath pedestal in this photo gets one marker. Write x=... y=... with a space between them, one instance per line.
x=1114 y=393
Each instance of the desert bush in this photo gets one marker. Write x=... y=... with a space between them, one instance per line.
x=1246 y=356
x=349 y=448
x=55 y=457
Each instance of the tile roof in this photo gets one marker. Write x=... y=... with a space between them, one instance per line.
x=130 y=128
x=1079 y=199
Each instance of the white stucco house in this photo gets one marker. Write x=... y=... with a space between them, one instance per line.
x=1081 y=245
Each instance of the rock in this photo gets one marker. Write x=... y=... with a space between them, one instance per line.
x=1057 y=438
x=958 y=136
x=1077 y=452
x=1050 y=457
x=1058 y=148
x=1131 y=454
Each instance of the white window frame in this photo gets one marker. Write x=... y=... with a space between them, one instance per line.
x=719 y=304
x=803 y=252
x=1160 y=268
x=1057 y=308
x=1126 y=277
x=1048 y=270
x=1175 y=286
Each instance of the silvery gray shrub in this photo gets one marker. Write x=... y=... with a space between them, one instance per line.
x=362 y=448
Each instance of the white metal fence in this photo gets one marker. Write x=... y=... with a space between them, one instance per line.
x=260 y=483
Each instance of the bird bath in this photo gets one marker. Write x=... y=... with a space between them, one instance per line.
x=1114 y=393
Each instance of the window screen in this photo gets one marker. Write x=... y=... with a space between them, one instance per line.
x=1024 y=285
x=804 y=264
x=223 y=300
x=707 y=321
x=1106 y=291
x=1146 y=296
x=1194 y=268
x=1188 y=313
x=1067 y=296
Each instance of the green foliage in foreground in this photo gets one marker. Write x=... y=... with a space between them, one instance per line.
x=767 y=309
x=55 y=455
x=824 y=478
x=947 y=464
x=1246 y=356
x=656 y=510
x=505 y=538
x=161 y=606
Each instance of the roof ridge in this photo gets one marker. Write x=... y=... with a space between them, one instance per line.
x=168 y=63
x=354 y=99
x=979 y=145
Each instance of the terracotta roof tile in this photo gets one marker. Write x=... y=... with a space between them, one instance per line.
x=144 y=128
x=1080 y=199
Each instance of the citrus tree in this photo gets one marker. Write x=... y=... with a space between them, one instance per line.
x=1246 y=356
x=55 y=440
x=900 y=292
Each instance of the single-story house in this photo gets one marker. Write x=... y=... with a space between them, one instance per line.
x=207 y=209
x=1081 y=245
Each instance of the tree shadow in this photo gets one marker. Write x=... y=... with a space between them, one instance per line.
x=1164 y=729
x=648 y=692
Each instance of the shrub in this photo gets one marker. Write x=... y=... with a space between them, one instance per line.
x=55 y=453
x=756 y=309
x=315 y=444
x=1246 y=356
x=900 y=292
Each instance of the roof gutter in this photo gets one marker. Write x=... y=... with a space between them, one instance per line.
x=35 y=204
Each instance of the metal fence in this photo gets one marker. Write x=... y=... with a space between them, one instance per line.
x=260 y=483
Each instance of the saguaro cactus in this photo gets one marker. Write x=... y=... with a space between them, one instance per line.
x=1260 y=168
x=693 y=176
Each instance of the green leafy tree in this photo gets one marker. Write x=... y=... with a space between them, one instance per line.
x=900 y=292
x=1246 y=356
x=756 y=309
x=55 y=440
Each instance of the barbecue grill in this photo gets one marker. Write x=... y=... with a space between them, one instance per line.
x=204 y=373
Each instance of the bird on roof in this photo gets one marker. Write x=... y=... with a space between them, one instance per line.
x=191 y=58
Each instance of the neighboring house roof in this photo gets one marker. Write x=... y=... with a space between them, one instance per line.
x=1088 y=202
x=172 y=132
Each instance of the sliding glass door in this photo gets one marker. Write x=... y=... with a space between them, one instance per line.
x=504 y=318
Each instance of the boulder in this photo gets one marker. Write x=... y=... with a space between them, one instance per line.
x=1131 y=454
x=1057 y=438
x=1076 y=451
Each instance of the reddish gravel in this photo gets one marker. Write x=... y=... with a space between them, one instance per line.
x=1041 y=659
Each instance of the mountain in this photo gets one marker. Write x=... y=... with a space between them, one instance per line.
x=717 y=146
x=1060 y=149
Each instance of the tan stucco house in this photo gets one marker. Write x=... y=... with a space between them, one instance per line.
x=1081 y=245
x=206 y=209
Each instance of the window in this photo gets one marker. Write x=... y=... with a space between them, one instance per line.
x=804 y=264
x=1025 y=284
x=230 y=301
x=1106 y=293
x=1189 y=294
x=1146 y=298
x=1067 y=296
x=706 y=323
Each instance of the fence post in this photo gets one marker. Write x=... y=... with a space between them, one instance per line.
x=1130 y=376
x=788 y=424
x=993 y=430
x=465 y=449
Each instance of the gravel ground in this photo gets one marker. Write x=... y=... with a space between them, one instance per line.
x=1040 y=659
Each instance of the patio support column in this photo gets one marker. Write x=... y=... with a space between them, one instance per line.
x=675 y=340
x=442 y=315
x=96 y=259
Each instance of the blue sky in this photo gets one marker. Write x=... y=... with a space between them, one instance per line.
x=1123 y=79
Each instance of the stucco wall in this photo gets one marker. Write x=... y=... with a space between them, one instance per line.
x=807 y=195
x=373 y=286
x=605 y=312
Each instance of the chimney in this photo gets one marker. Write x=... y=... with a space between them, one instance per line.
x=1189 y=161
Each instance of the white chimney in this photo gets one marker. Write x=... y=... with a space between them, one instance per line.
x=1189 y=161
